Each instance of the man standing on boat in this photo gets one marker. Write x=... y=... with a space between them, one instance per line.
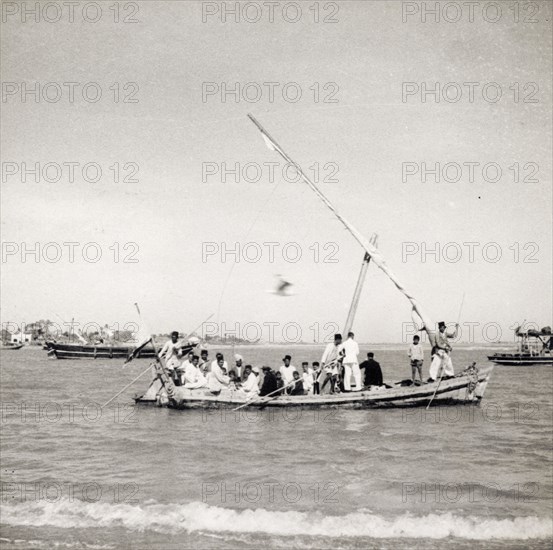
x=351 y=365
x=170 y=345
x=333 y=353
x=441 y=359
x=287 y=370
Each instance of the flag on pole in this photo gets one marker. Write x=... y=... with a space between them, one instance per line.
x=268 y=142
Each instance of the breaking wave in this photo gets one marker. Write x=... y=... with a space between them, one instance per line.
x=200 y=517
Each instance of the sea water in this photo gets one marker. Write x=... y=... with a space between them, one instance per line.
x=74 y=475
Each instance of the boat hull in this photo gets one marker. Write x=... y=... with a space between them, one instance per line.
x=520 y=360
x=78 y=351
x=460 y=390
x=16 y=346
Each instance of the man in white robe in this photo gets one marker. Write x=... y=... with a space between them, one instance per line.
x=193 y=377
x=218 y=378
x=441 y=361
x=251 y=383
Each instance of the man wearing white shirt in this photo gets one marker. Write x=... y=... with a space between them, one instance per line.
x=217 y=378
x=193 y=377
x=251 y=384
x=170 y=345
x=287 y=370
x=351 y=364
x=307 y=376
x=215 y=362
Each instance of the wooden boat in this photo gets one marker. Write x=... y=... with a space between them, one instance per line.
x=534 y=348
x=10 y=346
x=100 y=351
x=466 y=388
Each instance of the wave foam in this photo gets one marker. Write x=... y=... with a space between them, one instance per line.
x=197 y=516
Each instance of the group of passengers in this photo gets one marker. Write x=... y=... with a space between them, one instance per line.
x=338 y=371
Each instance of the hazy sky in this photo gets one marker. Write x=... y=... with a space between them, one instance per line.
x=171 y=132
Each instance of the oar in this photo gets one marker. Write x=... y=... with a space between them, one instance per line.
x=127 y=386
x=439 y=382
x=280 y=389
x=249 y=402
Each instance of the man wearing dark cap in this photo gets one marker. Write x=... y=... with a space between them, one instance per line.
x=287 y=370
x=441 y=361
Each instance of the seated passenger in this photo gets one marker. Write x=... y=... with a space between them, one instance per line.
x=218 y=379
x=269 y=384
x=216 y=360
x=234 y=384
x=204 y=362
x=250 y=384
x=193 y=377
x=181 y=369
x=297 y=387
x=238 y=368
x=279 y=382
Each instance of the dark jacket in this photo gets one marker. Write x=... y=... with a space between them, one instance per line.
x=373 y=372
x=269 y=384
x=297 y=388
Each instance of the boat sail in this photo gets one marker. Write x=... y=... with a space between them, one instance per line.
x=370 y=248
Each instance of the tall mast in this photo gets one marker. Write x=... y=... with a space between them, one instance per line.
x=358 y=288
x=371 y=250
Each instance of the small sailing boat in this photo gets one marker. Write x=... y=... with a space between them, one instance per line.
x=467 y=387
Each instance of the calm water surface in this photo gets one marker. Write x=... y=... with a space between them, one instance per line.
x=74 y=476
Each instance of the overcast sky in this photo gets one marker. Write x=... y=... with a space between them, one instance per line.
x=361 y=125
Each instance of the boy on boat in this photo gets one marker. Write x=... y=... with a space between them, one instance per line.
x=297 y=388
x=416 y=354
x=307 y=376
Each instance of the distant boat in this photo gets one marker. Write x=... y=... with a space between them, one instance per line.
x=95 y=351
x=534 y=348
x=10 y=346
